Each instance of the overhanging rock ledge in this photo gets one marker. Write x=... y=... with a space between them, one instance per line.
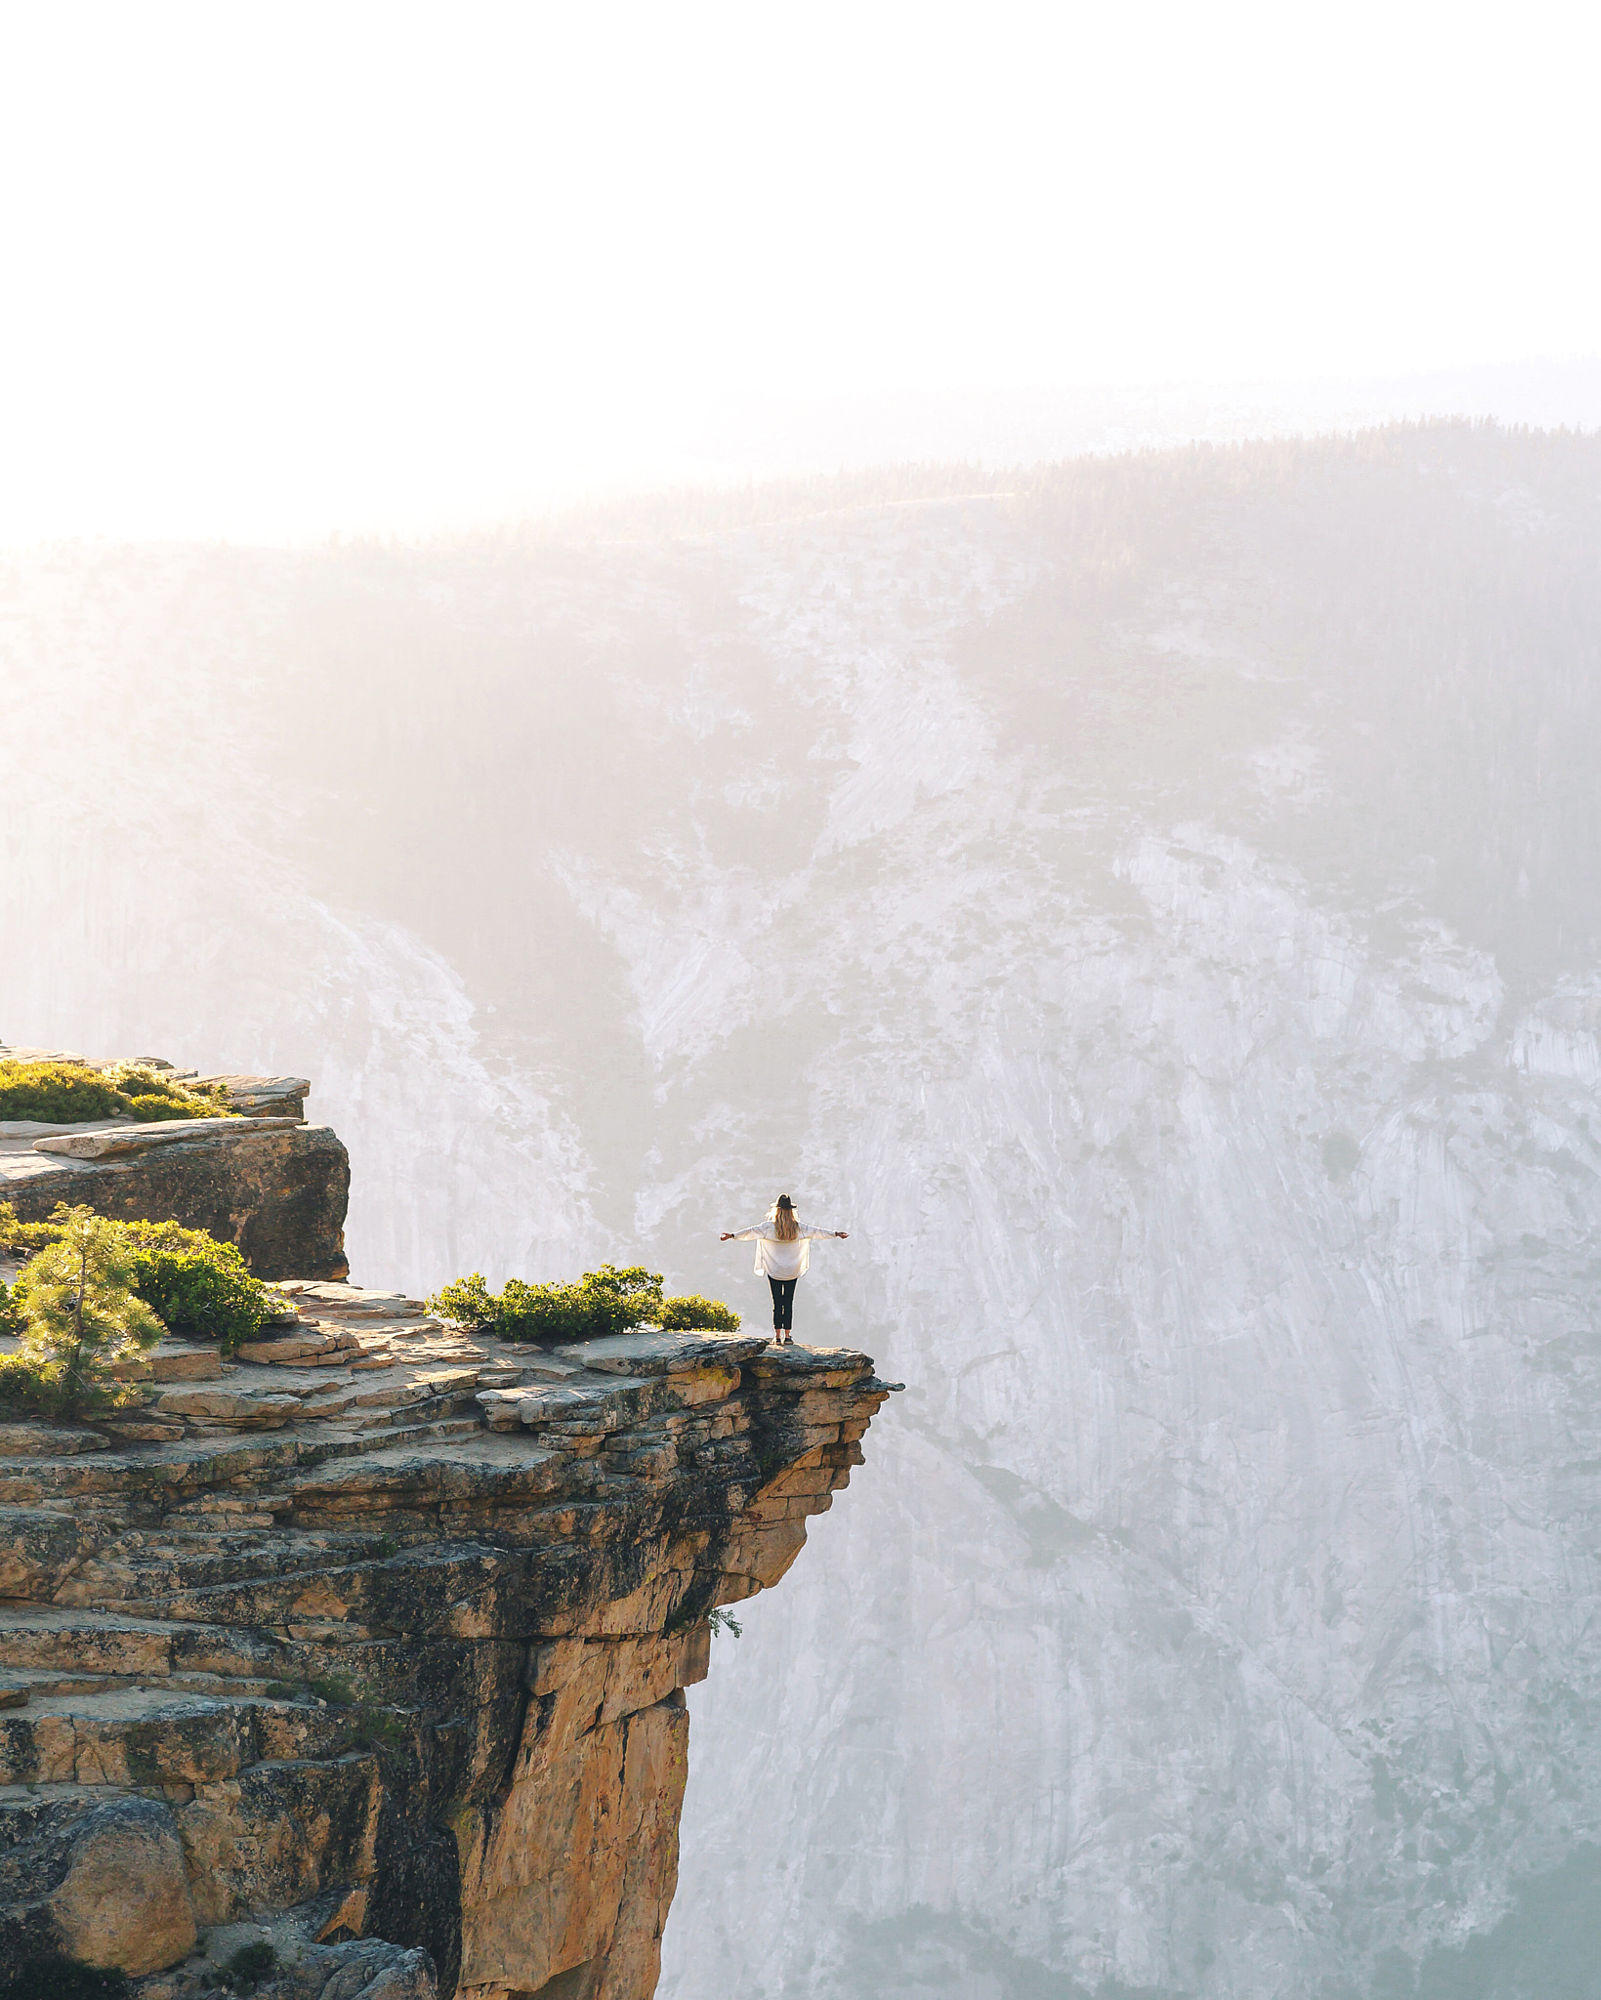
x=370 y=1646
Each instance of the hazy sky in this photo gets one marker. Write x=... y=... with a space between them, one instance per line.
x=285 y=267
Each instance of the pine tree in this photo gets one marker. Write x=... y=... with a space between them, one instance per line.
x=78 y=1312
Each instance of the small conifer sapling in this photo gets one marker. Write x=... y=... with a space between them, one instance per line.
x=78 y=1311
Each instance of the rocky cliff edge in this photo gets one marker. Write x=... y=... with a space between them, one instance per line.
x=263 y=1179
x=364 y=1653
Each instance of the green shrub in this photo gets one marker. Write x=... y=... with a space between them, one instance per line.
x=58 y=1093
x=79 y=1315
x=691 y=1313
x=54 y=1978
x=153 y=1095
x=600 y=1302
x=249 y=1966
x=197 y=1287
x=29 y=1236
x=378 y=1728
x=631 y=1296
x=338 y=1690
x=468 y=1301
x=29 y=1382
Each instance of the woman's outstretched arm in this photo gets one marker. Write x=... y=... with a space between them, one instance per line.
x=826 y=1232
x=740 y=1235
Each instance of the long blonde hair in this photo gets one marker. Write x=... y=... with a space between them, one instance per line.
x=782 y=1216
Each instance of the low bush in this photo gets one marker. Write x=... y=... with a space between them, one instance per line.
x=30 y=1383
x=249 y=1966
x=59 y=1093
x=56 y=1093
x=338 y=1690
x=600 y=1302
x=693 y=1314
x=29 y=1236
x=198 y=1287
x=468 y=1301
x=378 y=1728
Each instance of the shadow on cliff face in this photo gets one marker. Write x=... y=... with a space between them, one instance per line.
x=1544 y=1948
x=927 y=1955
x=1052 y=1532
x=417 y=1892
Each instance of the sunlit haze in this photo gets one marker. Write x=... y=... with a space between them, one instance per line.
x=989 y=616
x=283 y=271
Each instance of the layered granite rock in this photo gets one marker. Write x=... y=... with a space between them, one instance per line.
x=263 y=1179
x=370 y=1647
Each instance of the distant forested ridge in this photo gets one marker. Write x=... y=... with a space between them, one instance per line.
x=1151 y=902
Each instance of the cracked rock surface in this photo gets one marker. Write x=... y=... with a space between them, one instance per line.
x=370 y=1646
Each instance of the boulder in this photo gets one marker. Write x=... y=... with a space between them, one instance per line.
x=264 y=1096
x=279 y=1190
x=124 y=1901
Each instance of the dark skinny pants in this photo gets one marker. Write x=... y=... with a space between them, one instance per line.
x=783 y=1303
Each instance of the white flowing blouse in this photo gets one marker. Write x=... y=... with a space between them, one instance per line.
x=777 y=1259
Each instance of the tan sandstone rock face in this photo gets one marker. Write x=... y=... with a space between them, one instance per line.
x=379 y=1643
x=265 y=1180
x=575 y=1866
x=368 y=1646
x=125 y=1902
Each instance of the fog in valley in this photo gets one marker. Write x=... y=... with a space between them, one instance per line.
x=991 y=617
x=1149 y=901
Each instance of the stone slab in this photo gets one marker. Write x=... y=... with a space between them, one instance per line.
x=31 y=1440
x=115 y=1142
x=298 y=1349
x=646 y=1351
x=233 y=1405
x=34 y=1128
x=776 y=1363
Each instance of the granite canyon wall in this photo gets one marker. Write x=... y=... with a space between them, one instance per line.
x=1152 y=907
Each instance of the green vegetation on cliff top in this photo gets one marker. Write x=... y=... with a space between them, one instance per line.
x=62 y=1093
x=600 y=1302
x=78 y=1314
x=184 y=1279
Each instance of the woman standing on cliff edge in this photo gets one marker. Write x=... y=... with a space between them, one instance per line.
x=783 y=1251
